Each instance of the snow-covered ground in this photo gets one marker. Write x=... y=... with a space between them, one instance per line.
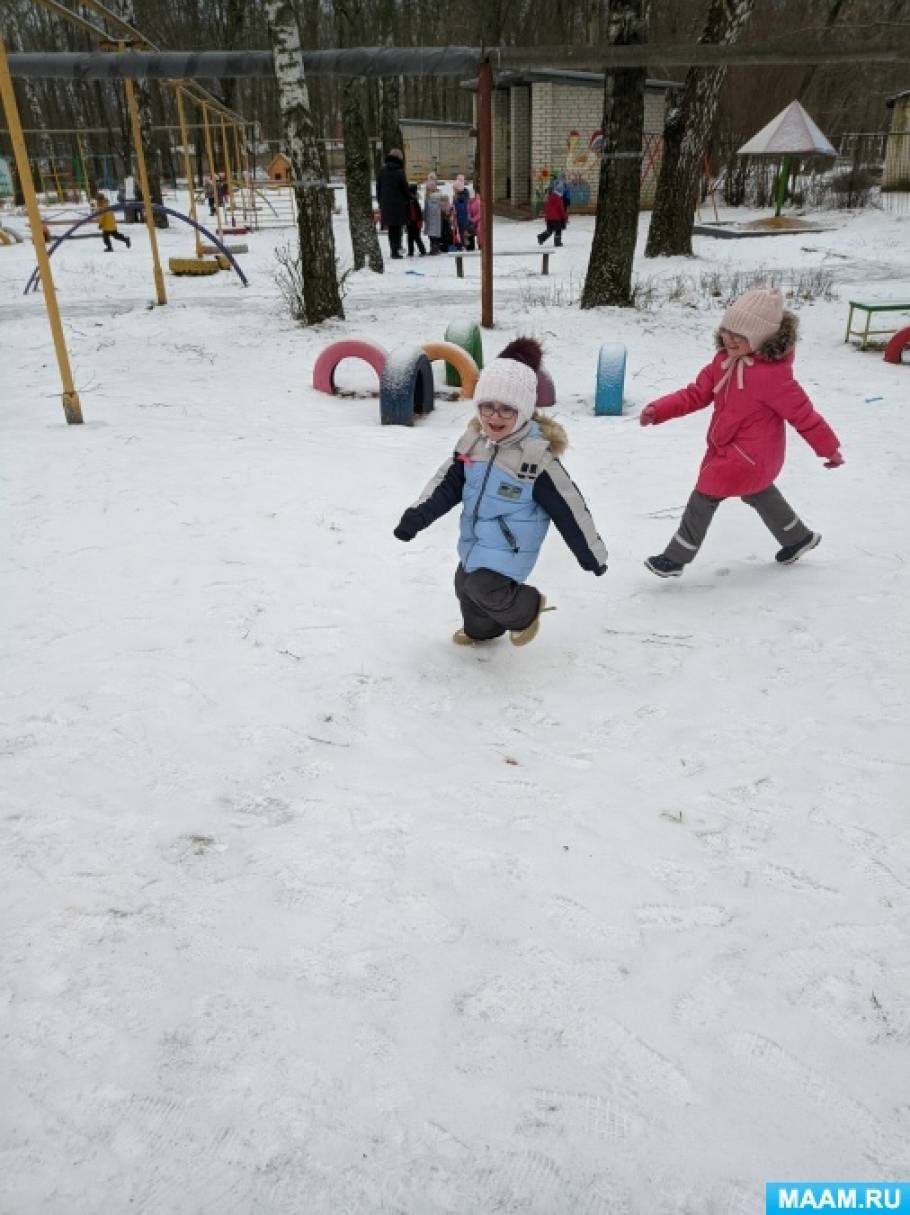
x=305 y=909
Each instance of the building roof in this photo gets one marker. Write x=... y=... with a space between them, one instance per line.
x=507 y=80
x=889 y=101
x=792 y=132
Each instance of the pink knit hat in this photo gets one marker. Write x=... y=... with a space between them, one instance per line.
x=757 y=315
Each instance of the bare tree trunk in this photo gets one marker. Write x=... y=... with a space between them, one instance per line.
x=322 y=297
x=364 y=238
x=687 y=132
x=609 y=277
x=390 y=96
x=390 y=113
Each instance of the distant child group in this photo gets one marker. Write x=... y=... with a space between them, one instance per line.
x=450 y=224
x=506 y=470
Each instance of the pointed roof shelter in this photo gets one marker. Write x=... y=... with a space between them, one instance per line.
x=791 y=133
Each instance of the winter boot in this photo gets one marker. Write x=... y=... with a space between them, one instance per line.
x=462 y=638
x=663 y=567
x=793 y=552
x=529 y=632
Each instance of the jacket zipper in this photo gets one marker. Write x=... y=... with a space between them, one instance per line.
x=736 y=447
x=508 y=533
x=483 y=484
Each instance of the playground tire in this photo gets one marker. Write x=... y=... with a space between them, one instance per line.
x=459 y=359
x=224 y=262
x=405 y=386
x=611 y=374
x=465 y=334
x=192 y=265
x=352 y=348
x=897 y=345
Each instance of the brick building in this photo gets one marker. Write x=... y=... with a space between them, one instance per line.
x=548 y=122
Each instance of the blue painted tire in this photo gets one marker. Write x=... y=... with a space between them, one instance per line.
x=405 y=386
x=611 y=375
x=465 y=334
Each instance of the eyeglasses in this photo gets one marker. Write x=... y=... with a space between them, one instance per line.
x=486 y=410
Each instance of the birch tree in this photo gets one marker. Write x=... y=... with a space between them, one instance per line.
x=364 y=238
x=609 y=276
x=321 y=295
x=687 y=131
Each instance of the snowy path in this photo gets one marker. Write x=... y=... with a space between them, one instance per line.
x=306 y=910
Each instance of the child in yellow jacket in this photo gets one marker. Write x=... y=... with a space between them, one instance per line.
x=107 y=222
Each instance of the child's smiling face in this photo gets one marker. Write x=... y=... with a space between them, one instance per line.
x=497 y=421
x=735 y=343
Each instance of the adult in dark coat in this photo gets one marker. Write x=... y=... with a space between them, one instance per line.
x=394 y=198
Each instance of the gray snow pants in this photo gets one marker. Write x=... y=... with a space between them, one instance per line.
x=773 y=509
x=491 y=604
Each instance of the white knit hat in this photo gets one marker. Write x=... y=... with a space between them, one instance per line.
x=757 y=315
x=508 y=382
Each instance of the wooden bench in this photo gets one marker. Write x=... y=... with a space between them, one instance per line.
x=870 y=309
x=543 y=254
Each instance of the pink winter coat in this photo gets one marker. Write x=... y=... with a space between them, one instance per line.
x=747 y=437
x=475 y=215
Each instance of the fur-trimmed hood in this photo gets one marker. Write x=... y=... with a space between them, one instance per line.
x=778 y=346
x=555 y=435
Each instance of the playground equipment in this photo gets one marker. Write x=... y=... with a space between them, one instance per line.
x=611 y=374
x=194 y=265
x=465 y=334
x=34 y=277
x=327 y=364
x=405 y=386
x=459 y=360
x=8 y=237
x=897 y=345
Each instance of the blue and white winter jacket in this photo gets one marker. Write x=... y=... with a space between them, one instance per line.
x=510 y=492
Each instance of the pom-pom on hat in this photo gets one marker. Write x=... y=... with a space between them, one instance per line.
x=757 y=315
x=511 y=378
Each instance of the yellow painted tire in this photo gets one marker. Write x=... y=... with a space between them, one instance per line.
x=223 y=262
x=192 y=265
x=6 y=238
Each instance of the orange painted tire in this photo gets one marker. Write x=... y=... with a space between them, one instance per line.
x=455 y=357
x=897 y=345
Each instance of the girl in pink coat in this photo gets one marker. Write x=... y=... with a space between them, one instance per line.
x=751 y=386
x=475 y=215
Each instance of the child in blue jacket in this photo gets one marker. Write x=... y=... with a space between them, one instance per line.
x=506 y=473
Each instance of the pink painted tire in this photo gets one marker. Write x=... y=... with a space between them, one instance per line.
x=326 y=365
x=546 y=389
x=897 y=345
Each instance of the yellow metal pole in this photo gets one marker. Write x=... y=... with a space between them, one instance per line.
x=60 y=197
x=251 y=179
x=84 y=166
x=146 y=193
x=72 y=409
x=227 y=168
x=210 y=155
x=188 y=169
x=239 y=161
